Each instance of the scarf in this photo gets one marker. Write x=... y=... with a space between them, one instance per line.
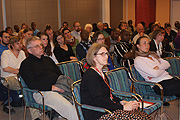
x=146 y=54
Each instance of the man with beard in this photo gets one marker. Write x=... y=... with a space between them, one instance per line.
x=77 y=30
x=4 y=42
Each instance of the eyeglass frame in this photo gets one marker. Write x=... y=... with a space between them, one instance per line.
x=103 y=54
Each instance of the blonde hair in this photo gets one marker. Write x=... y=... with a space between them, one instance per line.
x=93 y=50
x=88 y=25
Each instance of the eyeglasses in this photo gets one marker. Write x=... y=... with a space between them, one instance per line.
x=103 y=54
x=6 y=37
x=101 y=39
x=36 y=46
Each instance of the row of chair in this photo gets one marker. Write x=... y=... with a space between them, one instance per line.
x=121 y=80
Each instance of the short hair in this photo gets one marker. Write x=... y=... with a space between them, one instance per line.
x=48 y=27
x=65 y=29
x=1 y=33
x=8 y=28
x=32 y=23
x=99 y=23
x=95 y=36
x=167 y=25
x=24 y=24
x=156 y=32
x=56 y=34
x=13 y=40
x=33 y=38
x=88 y=25
x=75 y=23
x=65 y=23
x=93 y=50
x=27 y=30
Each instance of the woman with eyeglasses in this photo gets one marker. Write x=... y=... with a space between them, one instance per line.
x=95 y=90
x=98 y=37
x=47 y=46
x=62 y=51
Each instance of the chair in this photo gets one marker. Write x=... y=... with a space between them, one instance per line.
x=144 y=88
x=75 y=88
x=29 y=100
x=116 y=64
x=84 y=64
x=4 y=79
x=72 y=69
x=119 y=80
x=174 y=68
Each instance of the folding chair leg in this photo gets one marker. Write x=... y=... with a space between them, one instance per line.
x=24 y=113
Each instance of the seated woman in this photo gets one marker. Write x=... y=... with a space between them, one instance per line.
x=98 y=37
x=83 y=46
x=156 y=43
x=89 y=28
x=153 y=69
x=95 y=89
x=63 y=52
x=47 y=46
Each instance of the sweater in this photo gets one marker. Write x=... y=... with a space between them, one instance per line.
x=39 y=74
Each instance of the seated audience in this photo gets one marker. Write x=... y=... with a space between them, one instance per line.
x=130 y=27
x=4 y=42
x=49 y=31
x=153 y=28
x=95 y=27
x=16 y=28
x=177 y=40
x=9 y=30
x=69 y=39
x=47 y=46
x=153 y=69
x=175 y=28
x=83 y=46
x=33 y=27
x=27 y=33
x=123 y=50
x=24 y=26
x=169 y=37
x=156 y=43
x=62 y=51
x=140 y=30
x=106 y=28
x=41 y=73
x=95 y=90
x=10 y=63
x=101 y=29
x=77 y=30
x=88 y=27
x=115 y=38
x=65 y=25
x=98 y=37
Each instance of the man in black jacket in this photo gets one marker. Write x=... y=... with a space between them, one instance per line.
x=41 y=73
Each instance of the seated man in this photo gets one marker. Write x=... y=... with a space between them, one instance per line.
x=123 y=50
x=10 y=63
x=77 y=30
x=41 y=73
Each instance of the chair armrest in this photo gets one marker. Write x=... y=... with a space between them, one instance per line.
x=89 y=107
x=123 y=94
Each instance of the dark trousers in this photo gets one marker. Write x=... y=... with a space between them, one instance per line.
x=13 y=94
x=170 y=87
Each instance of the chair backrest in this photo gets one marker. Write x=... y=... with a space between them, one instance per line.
x=75 y=88
x=140 y=89
x=116 y=64
x=174 y=68
x=84 y=64
x=119 y=79
x=72 y=69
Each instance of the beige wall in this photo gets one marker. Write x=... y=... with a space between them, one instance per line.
x=116 y=12
x=129 y=5
x=163 y=11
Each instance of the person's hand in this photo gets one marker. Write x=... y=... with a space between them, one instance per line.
x=129 y=55
x=16 y=71
x=131 y=105
x=54 y=88
x=123 y=102
x=156 y=68
x=73 y=58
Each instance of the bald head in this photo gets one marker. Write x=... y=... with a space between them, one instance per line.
x=140 y=28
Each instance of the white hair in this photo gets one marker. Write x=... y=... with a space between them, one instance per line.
x=88 y=25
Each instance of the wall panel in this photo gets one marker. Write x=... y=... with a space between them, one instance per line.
x=1 y=22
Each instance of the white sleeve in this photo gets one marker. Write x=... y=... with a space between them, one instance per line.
x=5 y=59
x=144 y=68
x=163 y=64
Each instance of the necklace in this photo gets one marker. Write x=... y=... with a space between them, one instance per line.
x=105 y=80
